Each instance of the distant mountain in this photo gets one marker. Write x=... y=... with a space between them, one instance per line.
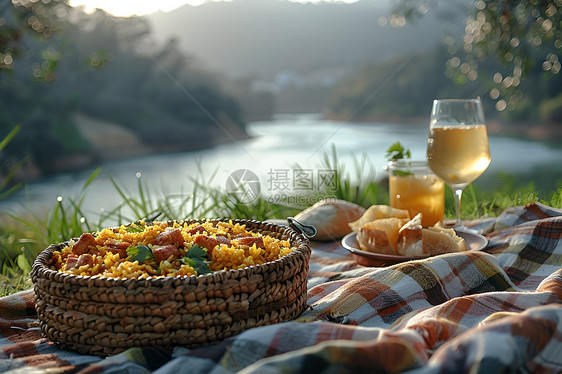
x=264 y=39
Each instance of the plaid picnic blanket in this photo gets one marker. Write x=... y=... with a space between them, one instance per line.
x=496 y=310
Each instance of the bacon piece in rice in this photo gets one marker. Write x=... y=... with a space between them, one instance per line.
x=76 y=262
x=169 y=237
x=164 y=252
x=250 y=240
x=82 y=245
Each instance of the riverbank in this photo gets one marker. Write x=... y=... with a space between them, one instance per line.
x=112 y=142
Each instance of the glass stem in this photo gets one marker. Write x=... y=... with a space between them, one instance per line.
x=457 y=192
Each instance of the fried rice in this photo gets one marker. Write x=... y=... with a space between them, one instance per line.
x=113 y=252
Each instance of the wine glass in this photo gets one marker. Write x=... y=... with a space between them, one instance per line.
x=457 y=148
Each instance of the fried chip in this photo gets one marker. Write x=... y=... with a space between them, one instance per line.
x=378 y=212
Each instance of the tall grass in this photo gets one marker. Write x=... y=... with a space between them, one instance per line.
x=358 y=185
x=65 y=220
x=22 y=237
x=14 y=276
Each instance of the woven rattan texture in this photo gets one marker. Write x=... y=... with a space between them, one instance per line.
x=104 y=316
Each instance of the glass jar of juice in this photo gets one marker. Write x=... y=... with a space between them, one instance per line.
x=414 y=187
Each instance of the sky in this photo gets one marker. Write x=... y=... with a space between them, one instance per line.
x=124 y=8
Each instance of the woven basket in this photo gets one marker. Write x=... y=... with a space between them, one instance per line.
x=104 y=316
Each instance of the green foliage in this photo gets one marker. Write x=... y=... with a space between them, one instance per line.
x=397 y=152
x=430 y=75
x=556 y=199
x=145 y=204
x=140 y=253
x=501 y=70
x=196 y=258
x=522 y=37
x=13 y=280
x=13 y=271
x=20 y=19
x=140 y=205
x=360 y=187
x=64 y=221
x=230 y=204
x=91 y=65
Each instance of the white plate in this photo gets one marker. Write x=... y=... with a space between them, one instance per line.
x=475 y=242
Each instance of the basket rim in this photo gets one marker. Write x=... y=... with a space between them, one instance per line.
x=40 y=268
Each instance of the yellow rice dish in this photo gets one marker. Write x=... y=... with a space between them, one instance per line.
x=160 y=249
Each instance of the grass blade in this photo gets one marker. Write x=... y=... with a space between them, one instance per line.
x=91 y=178
x=8 y=138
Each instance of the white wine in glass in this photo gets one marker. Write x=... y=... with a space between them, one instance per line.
x=458 y=150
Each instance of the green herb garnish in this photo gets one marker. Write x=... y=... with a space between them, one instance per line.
x=401 y=173
x=196 y=252
x=140 y=253
x=195 y=257
x=397 y=152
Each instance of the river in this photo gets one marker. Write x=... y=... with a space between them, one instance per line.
x=272 y=153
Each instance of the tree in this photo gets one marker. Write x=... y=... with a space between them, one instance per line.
x=108 y=68
x=21 y=18
x=521 y=36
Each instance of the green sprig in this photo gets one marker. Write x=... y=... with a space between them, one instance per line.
x=196 y=258
x=140 y=253
x=397 y=152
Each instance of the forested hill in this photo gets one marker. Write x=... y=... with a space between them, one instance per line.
x=403 y=88
x=106 y=69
